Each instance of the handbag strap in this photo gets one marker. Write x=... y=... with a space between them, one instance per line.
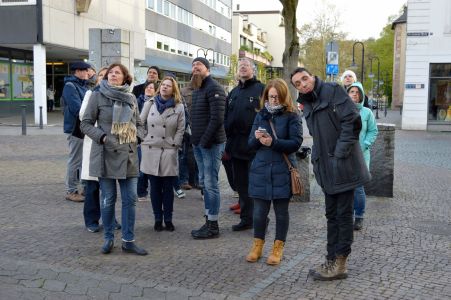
x=290 y=166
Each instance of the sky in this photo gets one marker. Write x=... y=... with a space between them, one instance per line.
x=361 y=19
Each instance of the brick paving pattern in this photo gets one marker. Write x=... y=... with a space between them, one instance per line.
x=403 y=252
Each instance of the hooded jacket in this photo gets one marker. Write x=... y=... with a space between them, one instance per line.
x=368 y=133
x=334 y=123
x=73 y=93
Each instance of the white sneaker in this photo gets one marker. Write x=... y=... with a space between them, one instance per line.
x=179 y=193
x=143 y=199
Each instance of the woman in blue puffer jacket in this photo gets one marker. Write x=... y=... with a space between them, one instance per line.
x=269 y=177
x=367 y=137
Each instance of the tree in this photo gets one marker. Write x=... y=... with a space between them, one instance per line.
x=291 y=54
x=316 y=35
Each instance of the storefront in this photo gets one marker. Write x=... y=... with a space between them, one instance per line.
x=16 y=79
x=440 y=94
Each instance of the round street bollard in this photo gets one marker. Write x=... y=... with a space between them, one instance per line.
x=303 y=160
x=24 y=119
x=41 y=126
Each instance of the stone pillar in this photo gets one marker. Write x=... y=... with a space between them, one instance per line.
x=39 y=83
x=107 y=46
x=303 y=160
x=382 y=163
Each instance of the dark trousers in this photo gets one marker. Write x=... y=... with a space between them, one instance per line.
x=143 y=179
x=261 y=210
x=192 y=167
x=340 y=233
x=91 y=206
x=241 y=182
x=227 y=163
x=162 y=197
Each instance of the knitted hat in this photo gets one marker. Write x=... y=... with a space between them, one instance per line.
x=348 y=72
x=202 y=60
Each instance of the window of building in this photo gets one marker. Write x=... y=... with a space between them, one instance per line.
x=440 y=92
x=166 y=8
x=159 y=45
x=172 y=8
x=166 y=47
x=5 y=84
x=151 y=4
x=160 y=6
x=243 y=41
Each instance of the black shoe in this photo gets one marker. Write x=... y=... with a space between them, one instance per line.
x=130 y=247
x=242 y=226
x=158 y=226
x=169 y=226
x=202 y=227
x=107 y=246
x=93 y=228
x=207 y=232
x=358 y=224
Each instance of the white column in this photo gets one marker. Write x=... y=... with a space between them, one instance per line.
x=40 y=82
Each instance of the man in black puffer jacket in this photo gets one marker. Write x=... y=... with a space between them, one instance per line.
x=208 y=139
x=241 y=107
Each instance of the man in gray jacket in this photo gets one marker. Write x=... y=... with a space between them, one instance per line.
x=334 y=123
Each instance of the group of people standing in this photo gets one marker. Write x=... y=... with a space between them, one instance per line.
x=137 y=138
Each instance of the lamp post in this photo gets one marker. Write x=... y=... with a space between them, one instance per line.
x=363 y=58
x=378 y=81
x=205 y=52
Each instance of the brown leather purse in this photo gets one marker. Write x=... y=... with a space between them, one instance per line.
x=297 y=188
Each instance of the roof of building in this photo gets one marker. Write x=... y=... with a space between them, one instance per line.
x=401 y=19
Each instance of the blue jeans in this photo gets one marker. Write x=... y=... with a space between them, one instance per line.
x=143 y=179
x=208 y=162
x=107 y=206
x=162 y=197
x=359 y=202
x=91 y=206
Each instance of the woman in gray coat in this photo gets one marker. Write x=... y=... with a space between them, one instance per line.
x=114 y=152
x=164 y=117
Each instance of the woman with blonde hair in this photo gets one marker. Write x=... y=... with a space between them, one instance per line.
x=164 y=117
x=277 y=130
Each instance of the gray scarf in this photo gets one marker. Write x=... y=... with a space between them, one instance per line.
x=123 y=109
x=273 y=109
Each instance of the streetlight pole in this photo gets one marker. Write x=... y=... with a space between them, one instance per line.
x=363 y=58
x=378 y=81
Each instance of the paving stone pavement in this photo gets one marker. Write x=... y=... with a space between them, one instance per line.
x=403 y=252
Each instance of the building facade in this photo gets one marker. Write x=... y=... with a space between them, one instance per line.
x=177 y=31
x=427 y=95
x=399 y=60
x=40 y=38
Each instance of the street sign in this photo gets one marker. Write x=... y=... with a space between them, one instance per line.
x=331 y=69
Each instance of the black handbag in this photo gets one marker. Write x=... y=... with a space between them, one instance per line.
x=76 y=132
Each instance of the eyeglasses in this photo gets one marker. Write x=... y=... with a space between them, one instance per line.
x=274 y=97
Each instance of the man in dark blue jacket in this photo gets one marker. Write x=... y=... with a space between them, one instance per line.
x=334 y=123
x=208 y=138
x=241 y=107
x=75 y=87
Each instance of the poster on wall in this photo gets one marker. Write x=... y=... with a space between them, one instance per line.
x=22 y=81
x=5 y=93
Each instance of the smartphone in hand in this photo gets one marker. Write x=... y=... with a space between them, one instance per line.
x=263 y=130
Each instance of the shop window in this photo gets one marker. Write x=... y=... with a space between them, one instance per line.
x=440 y=93
x=5 y=91
x=22 y=85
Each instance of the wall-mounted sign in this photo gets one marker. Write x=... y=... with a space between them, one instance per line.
x=419 y=33
x=414 y=85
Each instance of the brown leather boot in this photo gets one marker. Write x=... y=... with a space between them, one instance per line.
x=256 y=251
x=331 y=270
x=276 y=254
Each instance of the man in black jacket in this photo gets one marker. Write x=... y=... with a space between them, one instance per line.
x=208 y=138
x=241 y=107
x=334 y=123
x=153 y=75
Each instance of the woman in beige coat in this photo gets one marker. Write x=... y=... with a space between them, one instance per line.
x=164 y=118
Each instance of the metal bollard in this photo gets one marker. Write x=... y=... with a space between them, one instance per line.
x=41 y=126
x=24 y=119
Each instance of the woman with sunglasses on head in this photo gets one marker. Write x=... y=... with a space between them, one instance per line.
x=114 y=157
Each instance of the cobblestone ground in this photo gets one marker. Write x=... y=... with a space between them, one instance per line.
x=403 y=252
